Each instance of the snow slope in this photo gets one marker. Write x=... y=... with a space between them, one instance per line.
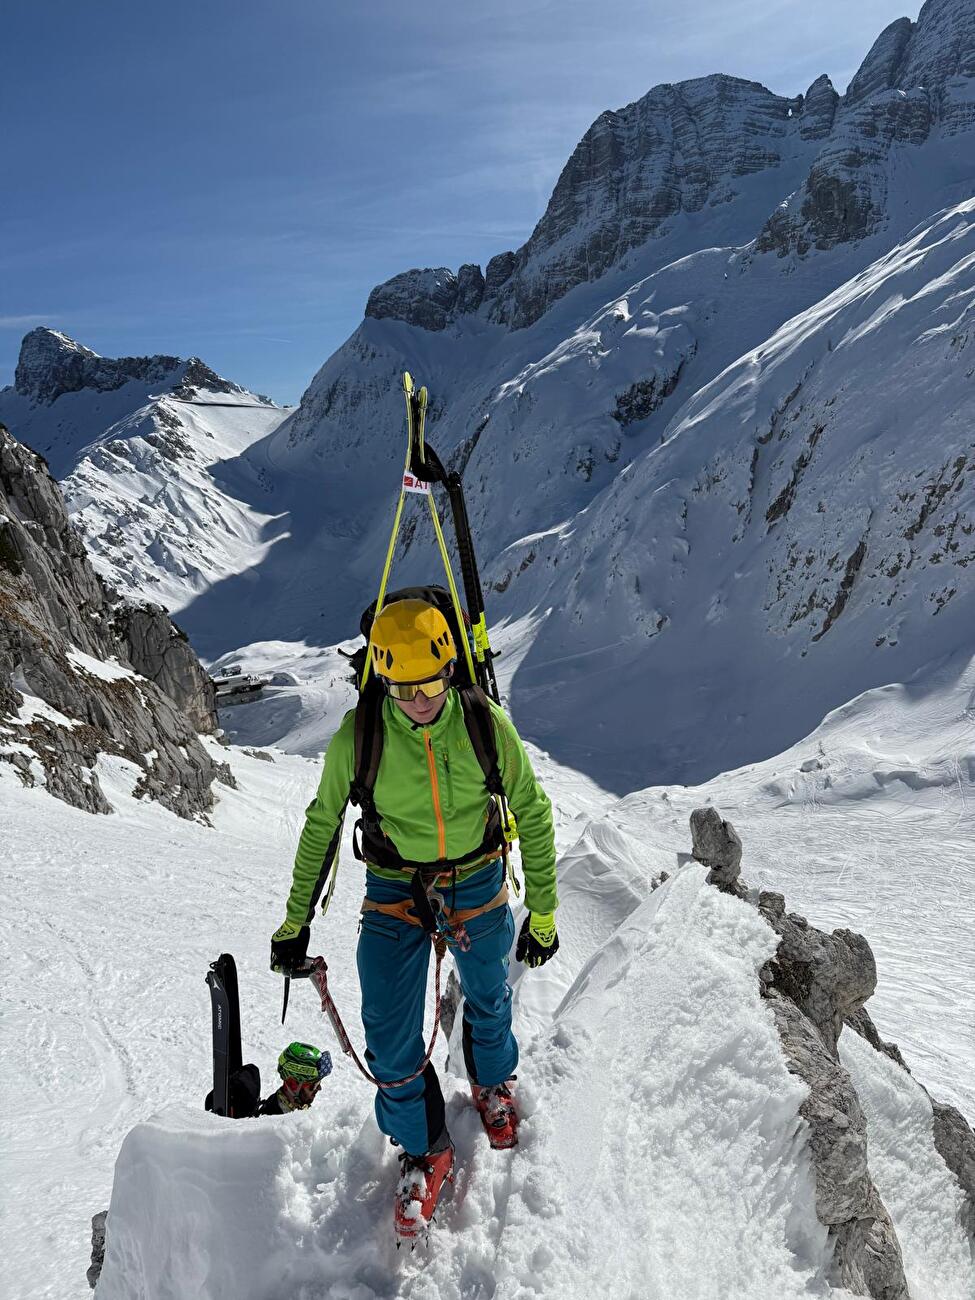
x=164 y=526
x=657 y=1095
x=863 y=824
x=805 y=531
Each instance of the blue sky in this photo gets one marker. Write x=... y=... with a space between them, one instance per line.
x=230 y=178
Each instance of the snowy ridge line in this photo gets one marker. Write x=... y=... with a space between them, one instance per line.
x=713 y=1140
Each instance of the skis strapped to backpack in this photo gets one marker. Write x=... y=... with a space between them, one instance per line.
x=474 y=678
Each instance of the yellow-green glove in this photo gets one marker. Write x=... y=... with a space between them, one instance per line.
x=538 y=940
x=289 y=947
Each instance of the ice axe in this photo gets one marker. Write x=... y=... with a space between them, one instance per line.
x=301 y=972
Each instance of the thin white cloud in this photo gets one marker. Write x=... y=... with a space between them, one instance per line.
x=24 y=322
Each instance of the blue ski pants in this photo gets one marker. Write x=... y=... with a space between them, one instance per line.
x=393 y=958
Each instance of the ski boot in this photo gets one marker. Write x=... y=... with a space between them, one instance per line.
x=420 y=1184
x=496 y=1107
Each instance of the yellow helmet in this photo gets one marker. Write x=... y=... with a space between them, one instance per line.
x=410 y=641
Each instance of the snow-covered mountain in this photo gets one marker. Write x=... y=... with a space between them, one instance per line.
x=714 y=418
x=138 y=443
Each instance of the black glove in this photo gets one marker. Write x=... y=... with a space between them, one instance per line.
x=531 y=949
x=289 y=948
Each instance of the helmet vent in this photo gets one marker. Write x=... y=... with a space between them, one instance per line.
x=389 y=658
x=436 y=650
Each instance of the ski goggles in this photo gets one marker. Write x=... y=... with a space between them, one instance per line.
x=431 y=688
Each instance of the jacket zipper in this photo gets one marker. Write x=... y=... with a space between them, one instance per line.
x=435 y=787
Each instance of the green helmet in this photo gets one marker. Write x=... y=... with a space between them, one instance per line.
x=304 y=1063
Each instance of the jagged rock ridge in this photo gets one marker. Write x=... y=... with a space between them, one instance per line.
x=51 y=364
x=816 y=986
x=684 y=146
x=71 y=655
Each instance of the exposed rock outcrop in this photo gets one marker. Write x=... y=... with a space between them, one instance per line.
x=157 y=649
x=419 y=297
x=879 y=70
x=955 y=1144
x=815 y=985
x=715 y=844
x=97 y=1247
x=818 y=109
x=70 y=655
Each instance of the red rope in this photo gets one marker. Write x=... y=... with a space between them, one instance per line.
x=319 y=977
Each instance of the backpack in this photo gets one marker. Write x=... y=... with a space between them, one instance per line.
x=375 y=846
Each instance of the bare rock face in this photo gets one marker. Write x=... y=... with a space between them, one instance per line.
x=879 y=70
x=912 y=81
x=69 y=683
x=51 y=364
x=499 y=271
x=157 y=649
x=97 y=1247
x=955 y=1143
x=470 y=289
x=675 y=150
x=426 y=298
x=818 y=109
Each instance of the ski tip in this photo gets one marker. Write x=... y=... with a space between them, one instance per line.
x=407 y=381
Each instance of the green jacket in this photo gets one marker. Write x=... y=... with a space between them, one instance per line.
x=431 y=801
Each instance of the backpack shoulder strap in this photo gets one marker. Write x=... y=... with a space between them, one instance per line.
x=368 y=751
x=480 y=728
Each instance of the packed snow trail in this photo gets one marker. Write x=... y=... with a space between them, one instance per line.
x=661 y=1155
x=108 y=927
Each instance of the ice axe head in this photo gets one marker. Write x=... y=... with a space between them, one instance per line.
x=301 y=972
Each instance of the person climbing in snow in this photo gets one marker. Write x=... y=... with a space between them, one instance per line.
x=434 y=819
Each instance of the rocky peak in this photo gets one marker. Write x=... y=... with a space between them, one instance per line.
x=818 y=109
x=879 y=70
x=682 y=147
x=419 y=297
x=676 y=149
x=51 y=364
x=915 y=77
x=431 y=297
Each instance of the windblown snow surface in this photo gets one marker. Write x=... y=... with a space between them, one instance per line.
x=662 y=1151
